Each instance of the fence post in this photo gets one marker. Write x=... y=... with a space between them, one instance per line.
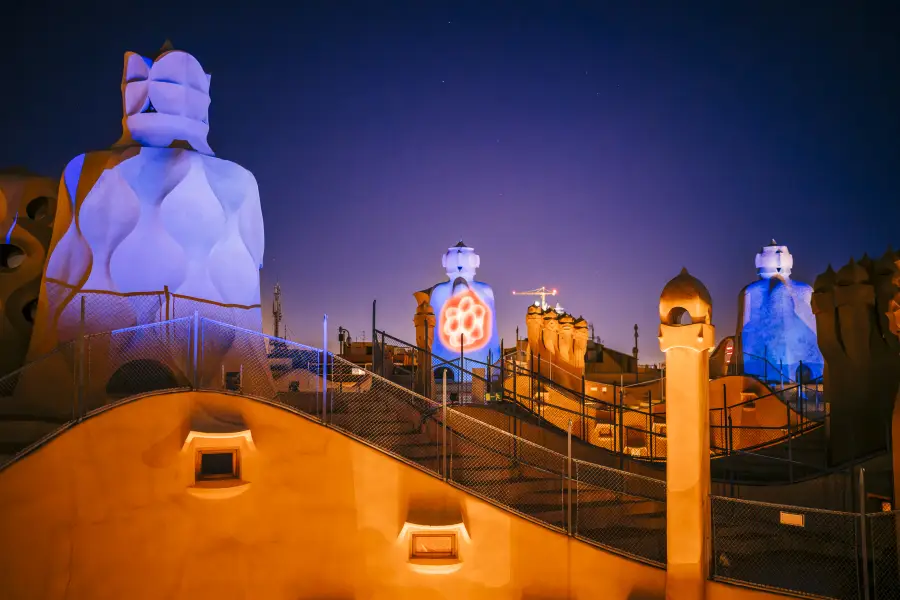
x=195 y=370
x=78 y=411
x=621 y=428
x=502 y=373
x=729 y=440
x=787 y=406
x=569 y=527
x=781 y=372
x=462 y=361
x=166 y=293
x=515 y=369
x=800 y=390
x=325 y=368
x=374 y=341
x=862 y=533
x=444 y=424
x=583 y=425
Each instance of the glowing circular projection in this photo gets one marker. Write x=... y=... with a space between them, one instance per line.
x=466 y=315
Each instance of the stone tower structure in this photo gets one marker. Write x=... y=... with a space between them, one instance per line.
x=686 y=335
x=862 y=357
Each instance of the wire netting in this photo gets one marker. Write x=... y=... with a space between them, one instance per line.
x=621 y=511
x=37 y=400
x=786 y=548
x=513 y=472
x=883 y=532
x=384 y=414
x=136 y=360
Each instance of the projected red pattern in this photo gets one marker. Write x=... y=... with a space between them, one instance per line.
x=467 y=315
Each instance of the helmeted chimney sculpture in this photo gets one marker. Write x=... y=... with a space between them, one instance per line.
x=776 y=326
x=463 y=322
x=157 y=211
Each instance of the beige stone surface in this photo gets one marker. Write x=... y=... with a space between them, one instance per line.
x=105 y=511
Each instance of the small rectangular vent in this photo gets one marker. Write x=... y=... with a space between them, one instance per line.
x=217 y=464
x=433 y=545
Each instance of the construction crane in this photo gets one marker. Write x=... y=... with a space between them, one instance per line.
x=542 y=291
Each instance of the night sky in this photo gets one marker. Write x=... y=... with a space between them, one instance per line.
x=594 y=148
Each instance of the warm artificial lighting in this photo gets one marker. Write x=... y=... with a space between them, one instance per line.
x=792 y=519
x=219 y=436
x=433 y=545
x=459 y=528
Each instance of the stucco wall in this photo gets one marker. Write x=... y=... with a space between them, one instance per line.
x=103 y=511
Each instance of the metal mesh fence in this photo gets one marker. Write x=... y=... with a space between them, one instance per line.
x=883 y=532
x=245 y=317
x=37 y=400
x=786 y=548
x=232 y=359
x=499 y=466
x=384 y=414
x=136 y=360
x=621 y=511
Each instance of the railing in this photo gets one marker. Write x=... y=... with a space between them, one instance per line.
x=619 y=511
x=613 y=417
x=74 y=312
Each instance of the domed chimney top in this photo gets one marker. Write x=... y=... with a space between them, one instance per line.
x=774 y=260
x=685 y=296
x=460 y=261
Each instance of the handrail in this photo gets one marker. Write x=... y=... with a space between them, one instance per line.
x=648 y=418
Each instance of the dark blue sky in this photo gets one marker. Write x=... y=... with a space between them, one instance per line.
x=592 y=147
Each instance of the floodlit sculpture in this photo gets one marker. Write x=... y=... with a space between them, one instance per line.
x=27 y=208
x=464 y=310
x=156 y=211
x=862 y=357
x=686 y=335
x=777 y=327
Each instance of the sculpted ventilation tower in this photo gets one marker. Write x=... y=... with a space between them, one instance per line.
x=686 y=335
x=463 y=308
x=157 y=211
x=777 y=327
x=27 y=207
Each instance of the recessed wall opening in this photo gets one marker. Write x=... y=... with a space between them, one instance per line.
x=216 y=465
x=40 y=209
x=11 y=256
x=30 y=310
x=679 y=316
x=433 y=546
